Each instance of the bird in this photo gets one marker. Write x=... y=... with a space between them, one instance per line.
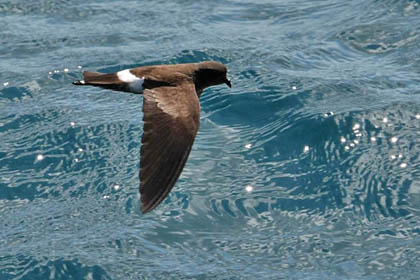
x=171 y=116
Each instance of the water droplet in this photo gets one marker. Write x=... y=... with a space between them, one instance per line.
x=249 y=188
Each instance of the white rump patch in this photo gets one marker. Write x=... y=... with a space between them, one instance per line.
x=135 y=84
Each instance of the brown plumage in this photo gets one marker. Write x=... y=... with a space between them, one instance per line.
x=171 y=114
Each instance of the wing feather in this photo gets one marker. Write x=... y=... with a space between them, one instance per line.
x=171 y=120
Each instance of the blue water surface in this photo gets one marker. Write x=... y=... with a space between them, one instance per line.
x=308 y=168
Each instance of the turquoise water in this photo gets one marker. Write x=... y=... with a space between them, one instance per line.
x=308 y=168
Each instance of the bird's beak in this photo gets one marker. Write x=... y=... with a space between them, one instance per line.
x=229 y=84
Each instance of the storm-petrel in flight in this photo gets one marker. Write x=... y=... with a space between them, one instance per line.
x=171 y=115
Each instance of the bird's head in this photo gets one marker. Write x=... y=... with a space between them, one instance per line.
x=211 y=73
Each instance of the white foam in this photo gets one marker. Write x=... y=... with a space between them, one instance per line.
x=135 y=84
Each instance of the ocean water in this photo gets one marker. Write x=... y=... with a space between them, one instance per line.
x=308 y=168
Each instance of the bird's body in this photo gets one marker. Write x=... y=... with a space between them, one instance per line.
x=171 y=114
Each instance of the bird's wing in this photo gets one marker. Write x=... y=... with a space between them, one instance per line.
x=171 y=117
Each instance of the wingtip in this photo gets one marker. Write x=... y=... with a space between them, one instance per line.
x=146 y=208
x=148 y=205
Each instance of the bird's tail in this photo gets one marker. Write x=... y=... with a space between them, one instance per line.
x=95 y=78
x=110 y=81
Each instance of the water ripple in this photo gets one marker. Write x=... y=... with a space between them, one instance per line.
x=307 y=168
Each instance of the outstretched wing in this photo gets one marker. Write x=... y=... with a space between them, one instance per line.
x=171 y=117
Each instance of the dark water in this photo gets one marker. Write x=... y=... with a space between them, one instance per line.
x=309 y=168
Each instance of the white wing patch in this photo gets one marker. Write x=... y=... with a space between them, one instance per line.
x=135 y=84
